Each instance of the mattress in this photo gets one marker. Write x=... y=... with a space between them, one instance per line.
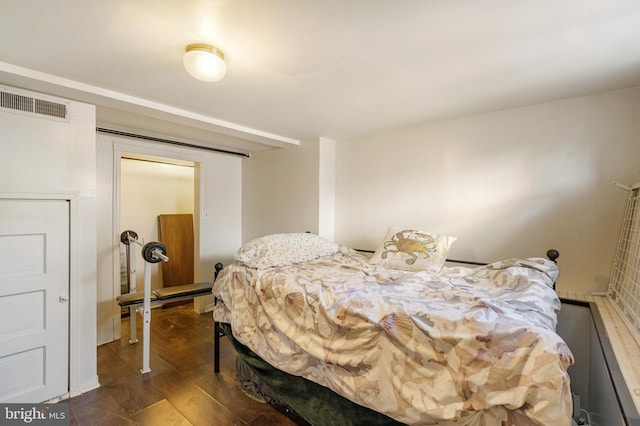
x=471 y=346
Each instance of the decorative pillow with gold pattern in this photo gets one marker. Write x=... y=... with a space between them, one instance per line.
x=413 y=250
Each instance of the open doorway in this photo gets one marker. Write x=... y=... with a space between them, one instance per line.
x=217 y=216
x=149 y=187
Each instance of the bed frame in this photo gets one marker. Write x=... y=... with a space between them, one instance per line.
x=298 y=395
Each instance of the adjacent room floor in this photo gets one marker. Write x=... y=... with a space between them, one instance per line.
x=181 y=388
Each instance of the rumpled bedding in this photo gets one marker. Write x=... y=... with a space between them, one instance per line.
x=466 y=346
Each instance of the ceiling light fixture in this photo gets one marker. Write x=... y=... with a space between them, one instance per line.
x=204 y=62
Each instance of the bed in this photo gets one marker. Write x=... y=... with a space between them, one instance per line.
x=396 y=336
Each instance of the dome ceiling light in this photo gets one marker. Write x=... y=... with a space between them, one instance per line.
x=204 y=62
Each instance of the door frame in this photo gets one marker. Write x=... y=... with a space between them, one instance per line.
x=121 y=147
x=74 y=278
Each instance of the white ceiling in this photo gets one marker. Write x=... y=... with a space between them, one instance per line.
x=301 y=69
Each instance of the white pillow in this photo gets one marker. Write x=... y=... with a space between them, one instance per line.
x=284 y=249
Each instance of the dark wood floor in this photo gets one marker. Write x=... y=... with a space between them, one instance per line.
x=181 y=388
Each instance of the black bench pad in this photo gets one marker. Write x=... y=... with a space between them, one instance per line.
x=128 y=299
x=195 y=289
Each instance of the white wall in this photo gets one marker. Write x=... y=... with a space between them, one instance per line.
x=290 y=190
x=43 y=156
x=508 y=183
x=281 y=191
x=147 y=189
x=219 y=180
x=327 y=188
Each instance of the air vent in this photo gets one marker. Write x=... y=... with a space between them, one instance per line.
x=52 y=109
x=16 y=102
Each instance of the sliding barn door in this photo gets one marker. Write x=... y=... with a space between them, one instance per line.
x=34 y=300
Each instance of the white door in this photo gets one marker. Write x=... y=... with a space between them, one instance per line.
x=34 y=294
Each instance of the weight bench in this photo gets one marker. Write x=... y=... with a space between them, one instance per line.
x=165 y=295
x=135 y=301
x=142 y=301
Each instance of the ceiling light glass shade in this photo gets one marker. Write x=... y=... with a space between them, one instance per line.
x=204 y=62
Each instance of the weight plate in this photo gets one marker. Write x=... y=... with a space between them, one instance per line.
x=124 y=237
x=149 y=248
